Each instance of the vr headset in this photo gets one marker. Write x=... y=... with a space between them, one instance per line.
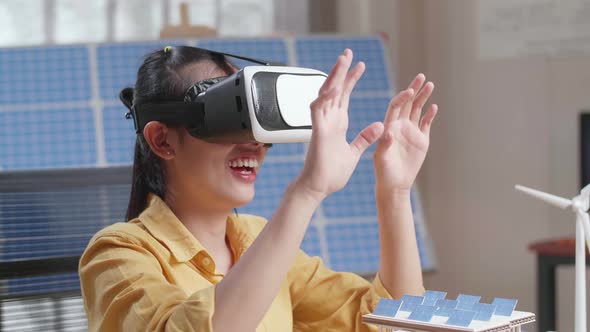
x=265 y=103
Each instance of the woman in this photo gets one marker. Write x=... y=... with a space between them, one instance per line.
x=180 y=262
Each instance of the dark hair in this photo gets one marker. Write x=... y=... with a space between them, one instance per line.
x=163 y=76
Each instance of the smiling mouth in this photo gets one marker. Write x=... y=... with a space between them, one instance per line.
x=244 y=166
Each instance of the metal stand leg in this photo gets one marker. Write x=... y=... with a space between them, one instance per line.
x=546 y=294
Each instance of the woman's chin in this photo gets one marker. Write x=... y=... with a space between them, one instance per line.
x=241 y=196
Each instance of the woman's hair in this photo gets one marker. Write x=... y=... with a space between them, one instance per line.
x=165 y=75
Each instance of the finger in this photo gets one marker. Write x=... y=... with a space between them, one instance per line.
x=366 y=137
x=338 y=72
x=417 y=82
x=420 y=100
x=395 y=105
x=323 y=102
x=427 y=119
x=416 y=85
x=351 y=79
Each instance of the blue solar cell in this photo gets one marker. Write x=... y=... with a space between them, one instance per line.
x=273 y=178
x=362 y=112
x=119 y=135
x=409 y=302
x=56 y=138
x=118 y=65
x=445 y=312
x=387 y=307
x=422 y=313
x=484 y=311
x=467 y=301
x=357 y=198
x=431 y=297
x=424 y=247
x=287 y=149
x=321 y=53
x=311 y=242
x=353 y=246
x=44 y=75
x=445 y=307
x=504 y=307
x=262 y=49
x=461 y=318
x=445 y=303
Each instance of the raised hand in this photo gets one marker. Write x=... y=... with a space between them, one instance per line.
x=402 y=147
x=330 y=159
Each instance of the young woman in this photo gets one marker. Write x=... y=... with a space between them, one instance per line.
x=185 y=262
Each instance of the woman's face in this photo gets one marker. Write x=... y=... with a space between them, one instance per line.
x=219 y=175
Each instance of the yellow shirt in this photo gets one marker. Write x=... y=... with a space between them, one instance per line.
x=151 y=274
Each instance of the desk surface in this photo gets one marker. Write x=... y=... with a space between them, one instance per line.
x=560 y=247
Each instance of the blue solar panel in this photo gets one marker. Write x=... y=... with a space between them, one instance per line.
x=44 y=75
x=262 y=49
x=287 y=149
x=63 y=137
x=357 y=199
x=118 y=65
x=424 y=247
x=321 y=53
x=272 y=179
x=311 y=242
x=467 y=301
x=445 y=307
x=461 y=318
x=353 y=247
x=422 y=313
x=504 y=307
x=410 y=302
x=119 y=135
x=387 y=307
x=363 y=111
x=432 y=297
x=484 y=311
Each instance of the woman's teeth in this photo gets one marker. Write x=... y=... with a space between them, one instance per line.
x=251 y=163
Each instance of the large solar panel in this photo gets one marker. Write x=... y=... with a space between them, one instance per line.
x=59 y=108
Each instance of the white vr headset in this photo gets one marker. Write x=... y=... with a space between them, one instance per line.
x=267 y=104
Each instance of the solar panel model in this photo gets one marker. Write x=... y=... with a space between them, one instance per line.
x=433 y=312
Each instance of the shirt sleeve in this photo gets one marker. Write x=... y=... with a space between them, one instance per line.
x=324 y=300
x=124 y=289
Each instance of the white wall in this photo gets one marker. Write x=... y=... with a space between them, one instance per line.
x=501 y=122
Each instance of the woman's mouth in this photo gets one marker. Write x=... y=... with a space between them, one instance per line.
x=244 y=168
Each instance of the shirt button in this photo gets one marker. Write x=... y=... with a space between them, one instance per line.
x=206 y=261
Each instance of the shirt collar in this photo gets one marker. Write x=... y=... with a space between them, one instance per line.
x=163 y=224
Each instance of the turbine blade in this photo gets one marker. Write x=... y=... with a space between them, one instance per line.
x=551 y=199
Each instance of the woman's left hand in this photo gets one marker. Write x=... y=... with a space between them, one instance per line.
x=402 y=147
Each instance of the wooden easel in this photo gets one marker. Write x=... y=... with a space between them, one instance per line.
x=185 y=29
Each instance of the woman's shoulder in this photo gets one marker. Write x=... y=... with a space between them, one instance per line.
x=131 y=231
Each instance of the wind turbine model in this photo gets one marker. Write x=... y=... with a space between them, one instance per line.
x=579 y=205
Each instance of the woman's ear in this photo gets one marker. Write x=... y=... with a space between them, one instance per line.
x=158 y=137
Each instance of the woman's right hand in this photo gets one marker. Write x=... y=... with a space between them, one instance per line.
x=330 y=160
